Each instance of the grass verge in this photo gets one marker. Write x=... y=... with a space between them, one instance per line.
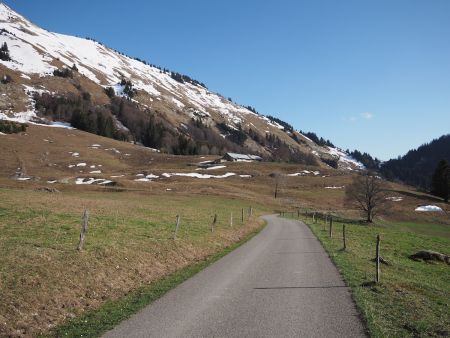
x=96 y=322
x=412 y=298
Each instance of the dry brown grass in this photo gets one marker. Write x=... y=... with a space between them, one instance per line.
x=44 y=280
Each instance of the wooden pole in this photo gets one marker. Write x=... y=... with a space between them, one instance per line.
x=231 y=220
x=331 y=227
x=213 y=222
x=298 y=213
x=314 y=217
x=343 y=237
x=176 y=228
x=378 y=259
x=84 y=229
x=242 y=216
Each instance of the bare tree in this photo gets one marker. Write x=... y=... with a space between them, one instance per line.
x=367 y=194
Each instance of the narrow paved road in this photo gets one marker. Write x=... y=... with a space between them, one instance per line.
x=279 y=284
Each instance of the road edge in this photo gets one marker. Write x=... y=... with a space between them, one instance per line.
x=96 y=322
x=358 y=309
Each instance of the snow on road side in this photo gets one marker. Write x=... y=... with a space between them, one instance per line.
x=334 y=187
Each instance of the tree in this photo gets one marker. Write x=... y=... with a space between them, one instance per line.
x=367 y=194
x=64 y=72
x=440 y=182
x=4 y=52
x=110 y=92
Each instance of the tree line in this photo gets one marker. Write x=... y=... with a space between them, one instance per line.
x=417 y=166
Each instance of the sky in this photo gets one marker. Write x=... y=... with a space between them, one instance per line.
x=372 y=75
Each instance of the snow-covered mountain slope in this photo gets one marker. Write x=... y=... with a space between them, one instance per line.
x=36 y=53
x=345 y=160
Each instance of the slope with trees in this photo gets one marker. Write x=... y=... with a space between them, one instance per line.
x=417 y=166
x=440 y=181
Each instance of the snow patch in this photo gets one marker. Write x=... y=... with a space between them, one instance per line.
x=197 y=175
x=394 y=199
x=91 y=180
x=429 y=208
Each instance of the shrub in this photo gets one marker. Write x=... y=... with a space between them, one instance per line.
x=109 y=91
x=10 y=127
x=65 y=73
x=4 y=52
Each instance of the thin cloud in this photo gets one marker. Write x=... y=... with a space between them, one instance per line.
x=366 y=115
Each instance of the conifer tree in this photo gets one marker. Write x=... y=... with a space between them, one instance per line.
x=4 y=52
x=440 y=182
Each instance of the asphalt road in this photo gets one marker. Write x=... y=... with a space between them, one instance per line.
x=279 y=284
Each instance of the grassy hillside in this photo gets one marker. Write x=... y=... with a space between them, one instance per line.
x=45 y=280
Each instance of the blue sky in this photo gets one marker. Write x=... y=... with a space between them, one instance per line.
x=371 y=75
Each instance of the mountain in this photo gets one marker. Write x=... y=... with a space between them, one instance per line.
x=417 y=166
x=60 y=80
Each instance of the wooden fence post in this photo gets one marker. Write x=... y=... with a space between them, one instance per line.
x=378 y=259
x=231 y=220
x=242 y=216
x=343 y=237
x=213 y=222
x=84 y=229
x=314 y=217
x=298 y=213
x=251 y=211
x=331 y=227
x=176 y=228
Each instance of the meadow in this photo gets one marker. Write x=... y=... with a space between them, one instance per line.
x=45 y=281
x=412 y=298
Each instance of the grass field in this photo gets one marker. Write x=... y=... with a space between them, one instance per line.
x=45 y=281
x=108 y=315
x=412 y=298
